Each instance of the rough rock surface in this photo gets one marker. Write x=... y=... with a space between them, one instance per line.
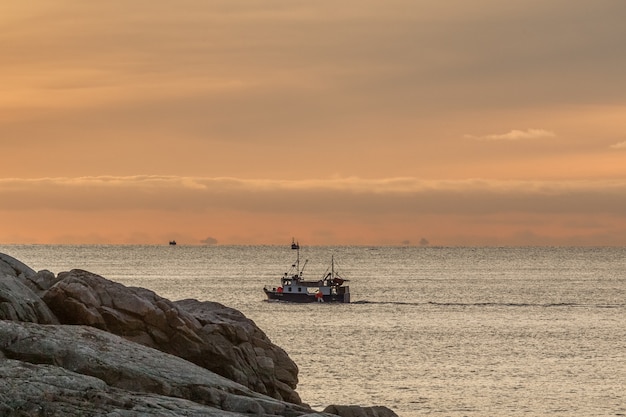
x=87 y=364
x=44 y=390
x=208 y=334
x=235 y=347
x=11 y=266
x=17 y=301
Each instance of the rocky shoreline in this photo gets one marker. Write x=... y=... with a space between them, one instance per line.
x=79 y=344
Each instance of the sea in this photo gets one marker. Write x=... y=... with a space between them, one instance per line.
x=444 y=331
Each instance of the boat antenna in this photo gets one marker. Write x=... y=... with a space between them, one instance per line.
x=306 y=261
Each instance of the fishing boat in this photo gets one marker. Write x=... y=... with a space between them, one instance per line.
x=294 y=288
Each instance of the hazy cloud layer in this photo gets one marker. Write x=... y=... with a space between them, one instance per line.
x=362 y=197
x=156 y=209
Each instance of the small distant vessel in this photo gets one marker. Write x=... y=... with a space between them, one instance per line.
x=294 y=244
x=294 y=288
x=172 y=242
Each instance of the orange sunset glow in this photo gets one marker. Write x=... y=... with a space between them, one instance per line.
x=367 y=123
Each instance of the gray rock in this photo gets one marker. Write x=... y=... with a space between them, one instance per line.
x=358 y=411
x=45 y=390
x=242 y=351
x=11 y=266
x=17 y=301
x=95 y=361
x=41 y=281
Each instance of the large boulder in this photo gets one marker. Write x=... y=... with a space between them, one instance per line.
x=42 y=364
x=17 y=301
x=358 y=411
x=11 y=266
x=208 y=334
x=235 y=347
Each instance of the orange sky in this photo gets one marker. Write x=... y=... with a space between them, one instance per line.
x=344 y=122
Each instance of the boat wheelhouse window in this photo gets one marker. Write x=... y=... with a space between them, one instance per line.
x=289 y=288
x=299 y=289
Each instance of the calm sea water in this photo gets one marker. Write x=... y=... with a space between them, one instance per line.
x=431 y=331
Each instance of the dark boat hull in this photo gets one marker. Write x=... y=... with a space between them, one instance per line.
x=306 y=298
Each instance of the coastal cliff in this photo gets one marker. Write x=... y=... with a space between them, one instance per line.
x=79 y=344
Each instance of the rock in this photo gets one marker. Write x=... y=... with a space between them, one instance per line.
x=17 y=301
x=13 y=267
x=44 y=390
x=358 y=411
x=41 y=281
x=242 y=351
x=208 y=334
x=88 y=365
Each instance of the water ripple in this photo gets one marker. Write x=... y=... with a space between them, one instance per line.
x=490 y=304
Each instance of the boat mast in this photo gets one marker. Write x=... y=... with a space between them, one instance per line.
x=296 y=245
x=298 y=259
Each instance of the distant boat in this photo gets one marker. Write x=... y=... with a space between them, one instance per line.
x=294 y=245
x=293 y=288
x=172 y=242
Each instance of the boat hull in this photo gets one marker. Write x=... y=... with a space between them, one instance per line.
x=306 y=298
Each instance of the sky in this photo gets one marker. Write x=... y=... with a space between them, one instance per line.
x=403 y=122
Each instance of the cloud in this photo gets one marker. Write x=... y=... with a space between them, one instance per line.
x=345 y=196
x=113 y=209
x=515 y=135
x=620 y=145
